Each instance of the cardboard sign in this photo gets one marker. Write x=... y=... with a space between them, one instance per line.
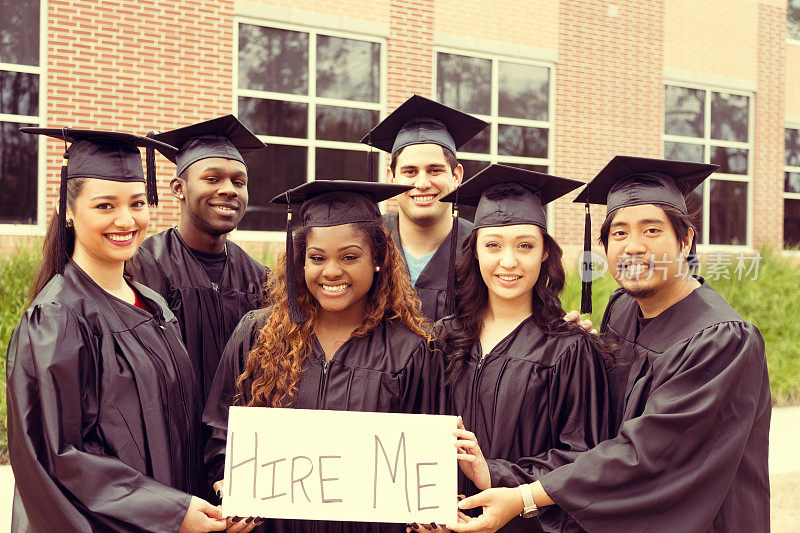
x=340 y=465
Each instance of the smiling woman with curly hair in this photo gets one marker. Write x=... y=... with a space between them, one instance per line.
x=341 y=330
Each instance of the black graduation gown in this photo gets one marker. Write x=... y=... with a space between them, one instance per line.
x=535 y=401
x=207 y=312
x=391 y=370
x=102 y=421
x=691 y=453
x=431 y=285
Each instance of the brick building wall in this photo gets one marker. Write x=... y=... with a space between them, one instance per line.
x=137 y=66
x=769 y=127
x=610 y=90
x=151 y=64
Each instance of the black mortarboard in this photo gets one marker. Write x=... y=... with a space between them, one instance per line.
x=505 y=196
x=327 y=203
x=419 y=120
x=627 y=181
x=224 y=137
x=107 y=155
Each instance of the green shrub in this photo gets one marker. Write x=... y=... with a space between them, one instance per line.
x=16 y=276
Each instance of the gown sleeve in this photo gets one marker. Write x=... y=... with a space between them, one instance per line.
x=143 y=268
x=578 y=411
x=674 y=463
x=66 y=479
x=223 y=391
x=423 y=385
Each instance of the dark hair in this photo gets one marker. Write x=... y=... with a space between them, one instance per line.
x=449 y=156
x=472 y=302
x=275 y=363
x=47 y=268
x=681 y=224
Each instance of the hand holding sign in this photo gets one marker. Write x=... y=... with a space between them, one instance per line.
x=370 y=467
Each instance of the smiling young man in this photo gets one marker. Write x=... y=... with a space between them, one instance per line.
x=208 y=281
x=422 y=136
x=690 y=452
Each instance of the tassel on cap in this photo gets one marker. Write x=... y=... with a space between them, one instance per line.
x=61 y=235
x=291 y=287
x=450 y=294
x=150 y=163
x=586 y=265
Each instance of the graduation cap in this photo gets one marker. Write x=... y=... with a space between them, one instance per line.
x=224 y=137
x=326 y=203
x=627 y=181
x=505 y=196
x=105 y=155
x=422 y=121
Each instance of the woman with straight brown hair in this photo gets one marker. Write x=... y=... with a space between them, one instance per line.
x=103 y=427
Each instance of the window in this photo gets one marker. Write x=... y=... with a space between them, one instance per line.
x=793 y=20
x=311 y=97
x=708 y=126
x=513 y=96
x=20 y=73
x=791 y=189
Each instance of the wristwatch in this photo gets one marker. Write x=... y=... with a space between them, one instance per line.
x=529 y=508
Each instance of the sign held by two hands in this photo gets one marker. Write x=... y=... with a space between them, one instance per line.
x=340 y=465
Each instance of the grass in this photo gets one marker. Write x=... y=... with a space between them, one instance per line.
x=16 y=275
x=770 y=301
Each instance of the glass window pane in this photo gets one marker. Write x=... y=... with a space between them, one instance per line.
x=683 y=111
x=523 y=91
x=729 y=115
x=344 y=123
x=274 y=117
x=521 y=141
x=730 y=160
x=728 y=217
x=19 y=93
x=273 y=60
x=271 y=172
x=478 y=144
x=692 y=153
x=694 y=204
x=793 y=19
x=791 y=223
x=19 y=32
x=464 y=82
x=471 y=168
x=791 y=182
x=791 y=152
x=348 y=69
x=332 y=164
x=19 y=171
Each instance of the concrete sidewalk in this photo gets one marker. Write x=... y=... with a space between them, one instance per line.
x=784 y=470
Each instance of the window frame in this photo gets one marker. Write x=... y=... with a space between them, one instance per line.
x=494 y=119
x=39 y=227
x=309 y=142
x=789 y=195
x=707 y=142
x=790 y=40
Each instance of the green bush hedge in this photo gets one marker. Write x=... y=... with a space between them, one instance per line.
x=771 y=301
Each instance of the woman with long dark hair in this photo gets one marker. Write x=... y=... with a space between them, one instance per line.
x=530 y=387
x=342 y=328
x=103 y=427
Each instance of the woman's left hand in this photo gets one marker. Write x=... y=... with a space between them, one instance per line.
x=471 y=459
